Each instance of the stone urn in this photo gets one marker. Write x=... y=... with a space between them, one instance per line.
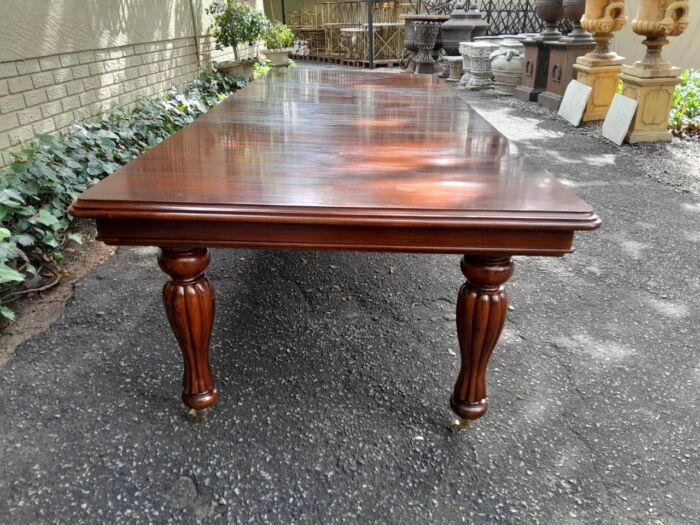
x=409 y=45
x=278 y=57
x=656 y=20
x=426 y=38
x=551 y=12
x=480 y=66
x=462 y=26
x=602 y=18
x=573 y=11
x=507 y=66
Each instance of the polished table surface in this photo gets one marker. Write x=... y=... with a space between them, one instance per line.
x=345 y=160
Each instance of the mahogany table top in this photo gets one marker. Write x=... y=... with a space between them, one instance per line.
x=340 y=160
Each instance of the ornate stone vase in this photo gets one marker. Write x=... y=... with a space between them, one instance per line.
x=409 y=45
x=573 y=11
x=657 y=20
x=426 y=37
x=507 y=66
x=602 y=18
x=462 y=26
x=550 y=12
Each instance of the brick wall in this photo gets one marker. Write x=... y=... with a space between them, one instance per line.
x=48 y=85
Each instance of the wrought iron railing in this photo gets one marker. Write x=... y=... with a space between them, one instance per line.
x=510 y=17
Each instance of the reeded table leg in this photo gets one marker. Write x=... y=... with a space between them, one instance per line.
x=481 y=313
x=189 y=303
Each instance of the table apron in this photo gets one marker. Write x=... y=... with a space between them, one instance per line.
x=423 y=239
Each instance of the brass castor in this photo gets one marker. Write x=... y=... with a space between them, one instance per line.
x=197 y=414
x=458 y=424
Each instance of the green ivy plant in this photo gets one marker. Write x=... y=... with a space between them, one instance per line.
x=235 y=23
x=685 y=112
x=278 y=36
x=49 y=173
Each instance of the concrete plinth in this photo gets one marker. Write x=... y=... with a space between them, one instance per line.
x=535 y=70
x=562 y=57
x=653 y=90
x=602 y=77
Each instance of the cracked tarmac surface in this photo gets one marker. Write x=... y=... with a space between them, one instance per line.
x=335 y=371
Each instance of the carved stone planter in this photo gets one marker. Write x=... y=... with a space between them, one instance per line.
x=278 y=57
x=237 y=68
x=507 y=66
x=600 y=69
x=426 y=37
x=652 y=80
x=410 y=47
x=480 y=66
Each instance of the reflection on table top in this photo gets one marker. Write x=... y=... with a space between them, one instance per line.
x=339 y=142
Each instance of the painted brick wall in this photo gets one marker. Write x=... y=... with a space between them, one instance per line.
x=48 y=82
x=44 y=95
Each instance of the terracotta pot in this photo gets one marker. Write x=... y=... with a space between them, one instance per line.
x=550 y=12
x=656 y=20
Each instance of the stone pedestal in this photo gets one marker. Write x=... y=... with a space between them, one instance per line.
x=653 y=79
x=455 y=66
x=562 y=57
x=602 y=77
x=534 y=71
x=481 y=76
x=653 y=91
x=466 y=62
x=600 y=68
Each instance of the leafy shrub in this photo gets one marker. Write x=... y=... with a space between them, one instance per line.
x=685 y=113
x=48 y=174
x=278 y=36
x=235 y=23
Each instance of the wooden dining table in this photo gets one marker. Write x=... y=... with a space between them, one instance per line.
x=330 y=159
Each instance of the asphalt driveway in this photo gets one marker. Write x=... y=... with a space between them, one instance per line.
x=335 y=371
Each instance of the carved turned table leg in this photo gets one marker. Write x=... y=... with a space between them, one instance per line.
x=189 y=303
x=481 y=313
